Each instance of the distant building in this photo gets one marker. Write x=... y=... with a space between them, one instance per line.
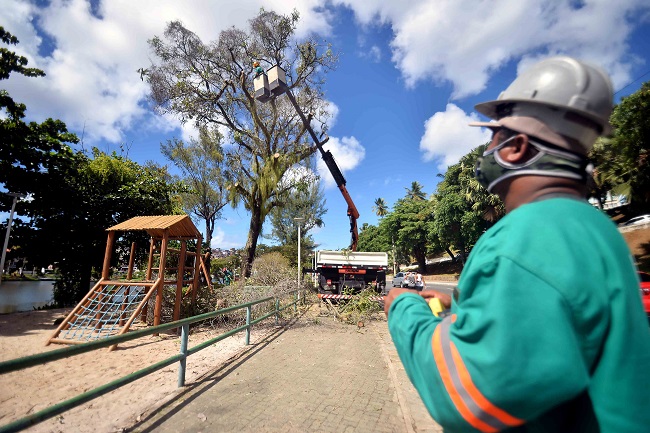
x=610 y=202
x=218 y=253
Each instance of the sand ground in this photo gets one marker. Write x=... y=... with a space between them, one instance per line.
x=27 y=391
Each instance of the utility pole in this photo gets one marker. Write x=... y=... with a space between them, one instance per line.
x=16 y=196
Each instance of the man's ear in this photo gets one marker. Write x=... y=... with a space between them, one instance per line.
x=516 y=151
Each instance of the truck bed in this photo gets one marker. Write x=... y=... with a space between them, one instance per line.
x=351 y=258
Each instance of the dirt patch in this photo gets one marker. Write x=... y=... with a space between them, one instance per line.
x=30 y=390
x=639 y=242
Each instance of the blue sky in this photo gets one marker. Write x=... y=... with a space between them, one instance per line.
x=409 y=75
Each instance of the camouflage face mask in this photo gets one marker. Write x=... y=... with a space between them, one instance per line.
x=490 y=169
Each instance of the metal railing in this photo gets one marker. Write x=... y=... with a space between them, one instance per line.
x=181 y=358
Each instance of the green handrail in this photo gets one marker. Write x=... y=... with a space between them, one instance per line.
x=42 y=358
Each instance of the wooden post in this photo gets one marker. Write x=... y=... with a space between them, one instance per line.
x=197 y=270
x=129 y=273
x=179 y=280
x=106 y=270
x=161 y=274
x=152 y=248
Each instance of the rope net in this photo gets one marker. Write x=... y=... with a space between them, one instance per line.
x=105 y=312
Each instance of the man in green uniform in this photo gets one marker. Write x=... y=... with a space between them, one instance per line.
x=547 y=333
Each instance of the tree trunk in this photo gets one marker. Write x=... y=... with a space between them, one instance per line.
x=251 y=244
x=209 y=228
x=450 y=253
x=420 y=256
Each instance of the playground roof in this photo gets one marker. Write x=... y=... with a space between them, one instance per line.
x=177 y=226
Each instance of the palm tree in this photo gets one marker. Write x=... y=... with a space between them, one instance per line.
x=415 y=192
x=380 y=208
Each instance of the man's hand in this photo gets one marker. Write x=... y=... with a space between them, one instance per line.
x=444 y=298
x=394 y=293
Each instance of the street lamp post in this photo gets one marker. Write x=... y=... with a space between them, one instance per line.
x=16 y=196
x=299 y=220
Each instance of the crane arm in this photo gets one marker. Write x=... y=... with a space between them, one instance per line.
x=328 y=158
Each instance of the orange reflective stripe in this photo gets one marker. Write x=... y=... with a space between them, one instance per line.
x=476 y=395
x=462 y=408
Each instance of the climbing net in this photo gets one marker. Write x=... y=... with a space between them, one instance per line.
x=105 y=312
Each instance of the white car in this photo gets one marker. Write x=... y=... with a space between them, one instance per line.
x=642 y=219
x=401 y=280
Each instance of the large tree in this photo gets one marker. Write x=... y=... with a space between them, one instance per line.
x=411 y=225
x=307 y=201
x=201 y=162
x=464 y=209
x=73 y=198
x=27 y=150
x=625 y=160
x=213 y=84
x=71 y=212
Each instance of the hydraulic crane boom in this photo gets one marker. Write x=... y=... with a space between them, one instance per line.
x=353 y=213
x=273 y=83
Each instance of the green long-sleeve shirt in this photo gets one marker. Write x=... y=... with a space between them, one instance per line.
x=547 y=335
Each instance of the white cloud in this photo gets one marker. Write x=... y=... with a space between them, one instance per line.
x=92 y=83
x=347 y=152
x=465 y=42
x=225 y=240
x=447 y=137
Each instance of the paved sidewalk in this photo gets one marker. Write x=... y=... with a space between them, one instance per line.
x=306 y=377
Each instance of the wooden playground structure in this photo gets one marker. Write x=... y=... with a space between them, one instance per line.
x=111 y=306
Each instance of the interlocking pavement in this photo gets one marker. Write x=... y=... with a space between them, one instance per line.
x=308 y=376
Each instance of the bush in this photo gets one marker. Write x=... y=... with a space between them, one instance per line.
x=271 y=269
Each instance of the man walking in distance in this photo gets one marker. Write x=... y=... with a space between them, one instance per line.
x=547 y=333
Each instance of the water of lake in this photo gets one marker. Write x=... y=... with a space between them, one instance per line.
x=18 y=296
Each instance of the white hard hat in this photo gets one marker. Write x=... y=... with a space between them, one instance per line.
x=572 y=98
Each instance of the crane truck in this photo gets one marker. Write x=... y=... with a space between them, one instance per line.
x=336 y=270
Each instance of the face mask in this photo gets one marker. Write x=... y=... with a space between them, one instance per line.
x=491 y=169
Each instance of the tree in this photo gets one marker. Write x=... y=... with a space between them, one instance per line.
x=464 y=209
x=411 y=224
x=71 y=214
x=373 y=238
x=306 y=200
x=610 y=173
x=624 y=161
x=213 y=83
x=201 y=162
x=28 y=150
x=380 y=208
x=415 y=191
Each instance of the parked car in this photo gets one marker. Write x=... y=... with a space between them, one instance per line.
x=645 y=291
x=641 y=219
x=404 y=279
x=398 y=278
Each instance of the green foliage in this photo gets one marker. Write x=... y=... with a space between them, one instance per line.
x=306 y=200
x=28 y=150
x=11 y=62
x=213 y=84
x=464 y=209
x=72 y=214
x=380 y=208
x=415 y=191
x=622 y=163
x=410 y=226
x=201 y=162
x=359 y=309
x=231 y=262
x=373 y=238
